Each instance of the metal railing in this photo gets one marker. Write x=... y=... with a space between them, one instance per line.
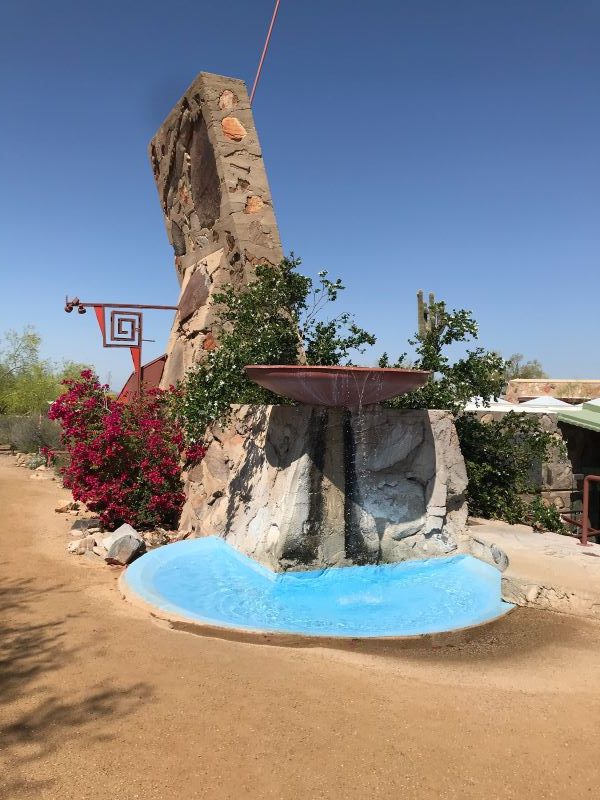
x=586 y=529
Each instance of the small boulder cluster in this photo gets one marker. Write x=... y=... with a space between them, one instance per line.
x=22 y=459
x=118 y=548
x=37 y=464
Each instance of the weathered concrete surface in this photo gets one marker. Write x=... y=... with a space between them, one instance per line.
x=546 y=570
x=213 y=190
x=307 y=486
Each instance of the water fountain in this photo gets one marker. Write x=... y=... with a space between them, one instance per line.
x=337 y=387
x=317 y=527
x=336 y=516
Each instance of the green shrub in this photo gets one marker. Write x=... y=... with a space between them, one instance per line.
x=28 y=382
x=478 y=373
x=544 y=517
x=500 y=456
x=276 y=319
x=27 y=434
x=35 y=460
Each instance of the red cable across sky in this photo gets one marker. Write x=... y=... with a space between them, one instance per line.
x=264 y=52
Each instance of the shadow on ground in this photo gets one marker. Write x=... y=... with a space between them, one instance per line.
x=519 y=634
x=38 y=711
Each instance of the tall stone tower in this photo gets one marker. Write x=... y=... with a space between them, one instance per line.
x=215 y=197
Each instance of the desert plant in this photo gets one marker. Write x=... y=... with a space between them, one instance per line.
x=499 y=455
x=276 y=319
x=29 y=433
x=479 y=373
x=544 y=517
x=28 y=382
x=35 y=460
x=125 y=459
x=516 y=367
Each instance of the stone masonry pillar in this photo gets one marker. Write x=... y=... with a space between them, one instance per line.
x=215 y=197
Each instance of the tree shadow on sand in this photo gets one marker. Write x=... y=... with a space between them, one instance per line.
x=36 y=719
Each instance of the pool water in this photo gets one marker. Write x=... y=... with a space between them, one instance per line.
x=206 y=580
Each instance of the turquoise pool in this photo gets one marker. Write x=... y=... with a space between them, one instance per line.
x=207 y=581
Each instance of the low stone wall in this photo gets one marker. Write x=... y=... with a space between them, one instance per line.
x=574 y=391
x=307 y=486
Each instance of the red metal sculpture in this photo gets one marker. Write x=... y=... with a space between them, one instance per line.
x=125 y=329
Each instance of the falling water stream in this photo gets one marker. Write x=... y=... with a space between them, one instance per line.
x=356 y=466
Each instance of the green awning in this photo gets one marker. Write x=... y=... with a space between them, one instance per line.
x=586 y=417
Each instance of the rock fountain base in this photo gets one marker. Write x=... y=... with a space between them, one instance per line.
x=308 y=486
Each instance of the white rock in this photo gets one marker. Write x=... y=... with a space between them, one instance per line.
x=125 y=550
x=123 y=530
x=81 y=546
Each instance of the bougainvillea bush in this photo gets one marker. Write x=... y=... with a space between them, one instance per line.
x=125 y=459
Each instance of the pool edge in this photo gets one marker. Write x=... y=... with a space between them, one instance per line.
x=179 y=622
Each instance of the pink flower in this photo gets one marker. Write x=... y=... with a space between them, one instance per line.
x=125 y=460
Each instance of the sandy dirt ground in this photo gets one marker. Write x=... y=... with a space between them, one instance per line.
x=97 y=700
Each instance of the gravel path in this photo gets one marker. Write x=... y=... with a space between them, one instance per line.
x=99 y=701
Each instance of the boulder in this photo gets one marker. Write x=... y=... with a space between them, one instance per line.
x=86 y=525
x=298 y=487
x=156 y=538
x=66 y=508
x=81 y=546
x=123 y=530
x=490 y=553
x=125 y=549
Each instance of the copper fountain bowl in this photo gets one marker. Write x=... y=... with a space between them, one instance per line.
x=337 y=386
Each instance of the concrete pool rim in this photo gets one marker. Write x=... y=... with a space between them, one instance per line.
x=178 y=620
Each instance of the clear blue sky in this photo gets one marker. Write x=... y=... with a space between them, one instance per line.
x=449 y=146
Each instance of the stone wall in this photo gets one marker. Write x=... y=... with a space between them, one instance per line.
x=573 y=391
x=308 y=486
x=214 y=194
